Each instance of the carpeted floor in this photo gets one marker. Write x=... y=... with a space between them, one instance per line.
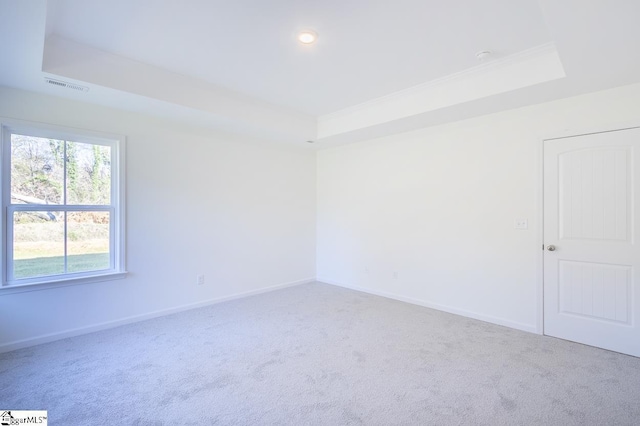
x=317 y=354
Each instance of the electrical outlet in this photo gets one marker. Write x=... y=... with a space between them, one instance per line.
x=395 y=275
x=200 y=280
x=521 y=223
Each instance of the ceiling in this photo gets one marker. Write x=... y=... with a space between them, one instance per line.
x=377 y=68
x=366 y=48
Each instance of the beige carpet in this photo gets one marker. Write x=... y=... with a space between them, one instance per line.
x=320 y=355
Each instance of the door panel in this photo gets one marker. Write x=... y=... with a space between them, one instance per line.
x=595 y=290
x=595 y=193
x=591 y=196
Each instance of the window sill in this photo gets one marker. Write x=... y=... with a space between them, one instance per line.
x=63 y=282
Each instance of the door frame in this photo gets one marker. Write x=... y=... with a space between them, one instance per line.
x=567 y=133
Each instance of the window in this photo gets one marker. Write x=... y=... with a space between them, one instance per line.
x=62 y=206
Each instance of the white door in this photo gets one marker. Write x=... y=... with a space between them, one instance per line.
x=591 y=237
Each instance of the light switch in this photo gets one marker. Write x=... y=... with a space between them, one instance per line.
x=521 y=223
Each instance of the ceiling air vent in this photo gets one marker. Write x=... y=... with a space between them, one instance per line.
x=66 y=84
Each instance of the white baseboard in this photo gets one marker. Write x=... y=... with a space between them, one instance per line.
x=449 y=309
x=46 y=338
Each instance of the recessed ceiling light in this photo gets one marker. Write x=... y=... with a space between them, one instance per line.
x=307 y=37
x=311 y=141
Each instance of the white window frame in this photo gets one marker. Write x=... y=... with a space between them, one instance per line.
x=116 y=208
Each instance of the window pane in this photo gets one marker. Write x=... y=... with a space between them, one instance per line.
x=38 y=244
x=88 y=174
x=37 y=170
x=88 y=241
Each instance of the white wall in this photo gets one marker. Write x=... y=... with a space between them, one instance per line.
x=438 y=205
x=435 y=205
x=197 y=203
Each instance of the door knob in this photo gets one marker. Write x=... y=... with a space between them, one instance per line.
x=551 y=248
